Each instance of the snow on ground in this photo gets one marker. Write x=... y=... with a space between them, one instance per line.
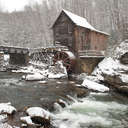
x=6 y=108
x=94 y=86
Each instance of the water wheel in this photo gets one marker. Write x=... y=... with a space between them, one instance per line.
x=67 y=58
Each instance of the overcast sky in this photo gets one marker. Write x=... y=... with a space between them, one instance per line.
x=11 y=5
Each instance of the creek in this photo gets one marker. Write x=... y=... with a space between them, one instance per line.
x=97 y=110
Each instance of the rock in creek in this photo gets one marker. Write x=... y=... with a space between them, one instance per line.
x=94 y=86
x=6 y=108
x=38 y=112
x=37 y=117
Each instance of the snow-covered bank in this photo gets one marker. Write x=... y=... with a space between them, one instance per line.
x=113 y=70
x=45 y=72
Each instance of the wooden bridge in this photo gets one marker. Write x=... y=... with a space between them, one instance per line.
x=21 y=55
x=86 y=59
x=13 y=49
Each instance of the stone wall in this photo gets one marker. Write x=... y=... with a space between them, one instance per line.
x=87 y=65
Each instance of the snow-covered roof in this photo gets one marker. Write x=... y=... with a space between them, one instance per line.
x=82 y=22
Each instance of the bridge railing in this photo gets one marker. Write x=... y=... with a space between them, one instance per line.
x=91 y=53
x=13 y=49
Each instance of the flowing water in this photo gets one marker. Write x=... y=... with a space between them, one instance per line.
x=97 y=110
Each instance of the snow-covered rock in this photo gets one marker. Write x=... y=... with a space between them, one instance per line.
x=3 y=118
x=27 y=120
x=35 y=76
x=38 y=112
x=6 y=108
x=5 y=125
x=56 y=76
x=37 y=117
x=94 y=86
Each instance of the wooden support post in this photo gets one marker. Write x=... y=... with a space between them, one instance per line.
x=1 y=58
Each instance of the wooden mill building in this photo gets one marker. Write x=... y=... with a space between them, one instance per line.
x=79 y=36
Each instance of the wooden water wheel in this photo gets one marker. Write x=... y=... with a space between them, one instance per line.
x=67 y=58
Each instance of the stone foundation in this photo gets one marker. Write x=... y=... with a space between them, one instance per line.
x=87 y=65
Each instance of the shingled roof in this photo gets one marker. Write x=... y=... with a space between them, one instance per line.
x=80 y=21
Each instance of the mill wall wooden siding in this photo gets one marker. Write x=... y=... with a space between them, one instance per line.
x=77 y=38
x=64 y=31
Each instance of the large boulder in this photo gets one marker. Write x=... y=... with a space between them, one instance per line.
x=37 y=117
x=94 y=86
x=38 y=112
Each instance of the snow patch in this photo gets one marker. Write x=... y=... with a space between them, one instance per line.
x=35 y=76
x=57 y=76
x=27 y=120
